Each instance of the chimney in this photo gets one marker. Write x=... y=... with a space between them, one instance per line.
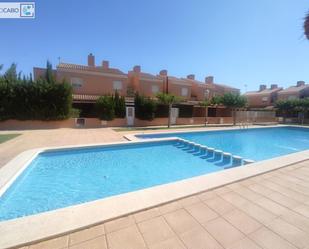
x=163 y=72
x=262 y=87
x=209 y=80
x=91 y=62
x=273 y=86
x=105 y=64
x=191 y=77
x=137 y=69
x=300 y=83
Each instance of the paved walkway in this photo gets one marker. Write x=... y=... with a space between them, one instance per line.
x=269 y=211
x=31 y=139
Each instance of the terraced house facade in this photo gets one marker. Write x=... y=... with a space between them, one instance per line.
x=91 y=81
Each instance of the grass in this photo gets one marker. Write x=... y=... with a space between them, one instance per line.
x=163 y=128
x=6 y=137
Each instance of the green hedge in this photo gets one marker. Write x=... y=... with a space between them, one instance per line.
x=24 y=99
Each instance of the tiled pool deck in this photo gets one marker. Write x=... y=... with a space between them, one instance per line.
x=269 y=211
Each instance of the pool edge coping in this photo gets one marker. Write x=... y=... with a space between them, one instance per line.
x=46 y=225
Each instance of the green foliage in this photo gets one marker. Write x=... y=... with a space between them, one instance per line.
x=120 y=106
x=168 y=99
x=49 y=75
x=75 y=113
x=205 y=103
x=216 y=100
x=233 y=101
x=144 y=107
x=293 y=106
x=24 y=99
x=105 y=108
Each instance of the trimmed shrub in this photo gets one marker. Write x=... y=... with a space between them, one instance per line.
x=144 y=108
x=120 y=106
x=105 y=107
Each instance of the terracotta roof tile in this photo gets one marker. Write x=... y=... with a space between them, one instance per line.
x=295 y=89
x=87 y=68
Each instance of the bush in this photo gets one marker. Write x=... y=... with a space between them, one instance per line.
x=120 y=106
x=24 y=99
x=144 y=108
x=105 y=108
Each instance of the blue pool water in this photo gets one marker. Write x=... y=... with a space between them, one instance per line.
x=256 y=144
x=59 y=179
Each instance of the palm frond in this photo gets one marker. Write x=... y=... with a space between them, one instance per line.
x=306 y=26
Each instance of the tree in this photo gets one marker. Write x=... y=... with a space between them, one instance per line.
x=105 y=107
x=168 y=99
x=306 y=26
x=10 y=75
x=285 y=107
x=233 y=101
x=49 y=75
x=144 y=107
x=205 y=104
x=120 y=105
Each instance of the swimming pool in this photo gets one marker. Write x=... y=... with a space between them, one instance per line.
x=256 y=143
x=59 y=179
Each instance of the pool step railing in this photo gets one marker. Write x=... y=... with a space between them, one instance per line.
x=219 y=156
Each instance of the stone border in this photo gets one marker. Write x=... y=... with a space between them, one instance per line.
x=61 y=221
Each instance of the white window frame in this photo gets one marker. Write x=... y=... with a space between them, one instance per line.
x=77 y=82
x=184 y=91
x=155 y=89
x=117 y=85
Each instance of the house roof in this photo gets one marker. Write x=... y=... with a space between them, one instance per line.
x=199 y=83
x=87 y=68
x=294 y=89
x=264 y=92
x=226 y=86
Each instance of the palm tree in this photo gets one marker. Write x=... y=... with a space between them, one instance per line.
x=306 y=26
x=168 y=99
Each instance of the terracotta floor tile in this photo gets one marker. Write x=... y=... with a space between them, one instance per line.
x=291 y=233
x=127 y=238
x=119 y=223
x=219 y=205
x=170 y=207
x=199 y=238
x=271 y=206
x=297 y=220
x=155 y=230
x=245 y=243
x=270 y=240
x=207 y=195
x=189 y=201
x=260 y=214
x=248 y=193
x=242 y=221
x=172 y=243
x=303 y=210
x=181 y=221
x=223 y=231
x=86 y=234
x=201 y=212
x=147 y=214
x=96 y=243
x=57 y=243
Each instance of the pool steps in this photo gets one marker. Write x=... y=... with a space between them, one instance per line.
x=224 y=158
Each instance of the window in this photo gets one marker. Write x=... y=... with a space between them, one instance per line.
x=154 y=89
x=117 y=85
x=265 y=99
x=184 y=91
x=77 y=82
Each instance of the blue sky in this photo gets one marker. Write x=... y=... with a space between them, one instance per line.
x=239 y=42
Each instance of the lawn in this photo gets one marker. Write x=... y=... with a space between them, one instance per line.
x=6 y=137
